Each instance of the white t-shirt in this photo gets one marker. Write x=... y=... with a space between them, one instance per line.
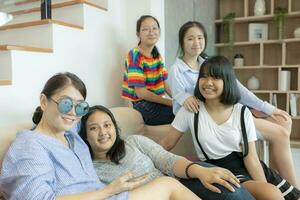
x=217 y=141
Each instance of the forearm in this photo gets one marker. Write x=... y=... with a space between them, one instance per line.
x=166 y=144
x=181 y=165
x=167 y=89
x=254 y=168
x=171 y=139
x=248 y=98
x=147 y=95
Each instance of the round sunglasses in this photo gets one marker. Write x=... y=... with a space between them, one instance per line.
x=65 y=105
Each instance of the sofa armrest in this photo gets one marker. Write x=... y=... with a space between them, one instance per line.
x=8 y=134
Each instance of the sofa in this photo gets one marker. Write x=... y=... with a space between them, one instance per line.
x=129 y=120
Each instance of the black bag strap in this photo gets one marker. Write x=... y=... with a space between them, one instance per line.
x=244 y=133
x=196 y=119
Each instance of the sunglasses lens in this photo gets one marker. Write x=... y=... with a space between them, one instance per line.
x=82 y=108
x=65 y=105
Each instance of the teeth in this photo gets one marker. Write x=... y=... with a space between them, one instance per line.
x=103 y=140
x=208 y=89
x=68 y=119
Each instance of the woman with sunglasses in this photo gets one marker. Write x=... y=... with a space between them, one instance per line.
x=50 y=161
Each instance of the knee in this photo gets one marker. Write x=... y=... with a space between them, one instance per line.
x=284 y=133
x=272 y=192
x=282 y=136
x=285 y=130
x=289 y=125
x=239 y=193
x=166 y=181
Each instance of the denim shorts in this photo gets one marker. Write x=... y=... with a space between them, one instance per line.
x=154 y=113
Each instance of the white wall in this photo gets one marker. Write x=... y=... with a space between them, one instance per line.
x=137 y=8
x=178 y=12
x=95 y=54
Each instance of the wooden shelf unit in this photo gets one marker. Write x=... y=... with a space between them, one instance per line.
x=265 y=59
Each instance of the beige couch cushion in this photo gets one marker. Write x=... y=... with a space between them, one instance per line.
x=8 y=134
x=131 y=122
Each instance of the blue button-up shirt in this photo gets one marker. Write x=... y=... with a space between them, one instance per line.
x=38 y=167
x=182 y=82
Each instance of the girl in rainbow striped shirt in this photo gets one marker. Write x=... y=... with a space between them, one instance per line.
x=144 y=82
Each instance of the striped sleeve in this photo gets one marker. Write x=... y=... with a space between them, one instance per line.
x=27 y=175
x=164 y=71
x=135 y=73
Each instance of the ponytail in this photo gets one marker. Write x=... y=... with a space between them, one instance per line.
x=37 y=115
x=155 y=53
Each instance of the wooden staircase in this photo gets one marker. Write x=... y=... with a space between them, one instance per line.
x=27 y=33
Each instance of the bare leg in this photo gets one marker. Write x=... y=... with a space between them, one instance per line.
x=163 y=188
x=278 y=136
x=263 y=191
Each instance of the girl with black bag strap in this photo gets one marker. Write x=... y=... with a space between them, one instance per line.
x=218 y=139
x=272 y=124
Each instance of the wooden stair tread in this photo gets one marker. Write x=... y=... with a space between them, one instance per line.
x=37 y=23
x=7 y=47
x=25 y=2
x=58 y=5
x=5 y=82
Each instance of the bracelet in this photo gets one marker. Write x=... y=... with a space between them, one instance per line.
x=187 y=169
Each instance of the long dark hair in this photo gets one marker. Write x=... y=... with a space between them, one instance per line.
x=117 y=151
x=220 y=67
x=182 y=31
x=154 y=52
x=56 y=83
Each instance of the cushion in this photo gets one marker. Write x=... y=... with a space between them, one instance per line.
x=8 y=134
x=129 y=120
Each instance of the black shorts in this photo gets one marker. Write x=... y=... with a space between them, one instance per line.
x=154 y=113
x=235 y=163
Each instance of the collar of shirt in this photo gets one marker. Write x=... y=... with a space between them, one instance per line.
x=183 y=67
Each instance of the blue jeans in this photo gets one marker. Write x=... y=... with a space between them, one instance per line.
x=154 y=113
x=196 y=186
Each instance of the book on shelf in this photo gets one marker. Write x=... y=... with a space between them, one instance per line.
x=258 y=32
x=293 y=105
x=274 y=100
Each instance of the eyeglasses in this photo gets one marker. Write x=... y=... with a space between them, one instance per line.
x=65 y=105
x=149 y=29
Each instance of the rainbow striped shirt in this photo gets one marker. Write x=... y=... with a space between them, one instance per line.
x=142 y=71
